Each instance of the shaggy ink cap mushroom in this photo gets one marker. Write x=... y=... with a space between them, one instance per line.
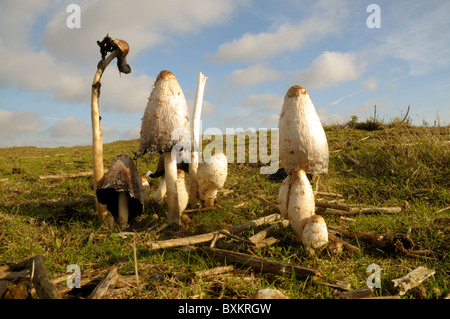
x=303 y=143
x=166 y=129
x=122 y=177
x=166 y=113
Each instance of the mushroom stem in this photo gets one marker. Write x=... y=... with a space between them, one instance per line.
x=161 y=192
x=122 y=218
x=193 y=167
x=97 y=139
x=170 y=174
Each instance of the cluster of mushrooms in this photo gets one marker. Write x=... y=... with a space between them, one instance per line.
x=166 y=130
x=303 y=150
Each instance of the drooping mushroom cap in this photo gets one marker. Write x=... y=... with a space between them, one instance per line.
x=166 y=118
x=122 y=176
x=109 y=44
x=315 y=233
x=303 y=143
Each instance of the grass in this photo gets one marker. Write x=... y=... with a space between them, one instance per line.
x=395 y=165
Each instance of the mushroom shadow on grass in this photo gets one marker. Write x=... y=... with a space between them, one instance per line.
x=122 y=191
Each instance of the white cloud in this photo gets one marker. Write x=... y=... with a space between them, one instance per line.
x=323 y=19
x=272 y=120
x=342 y=98
x=270 y=102
x=254 y=74
x=62 y=61
x=329 y=69
x=370 y=84
x=19 y=122
x=420 y=36
x=70 y=126
x=143 y=24
x=207 y=107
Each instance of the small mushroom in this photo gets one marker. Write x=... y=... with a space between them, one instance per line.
x=165 y=125
x=303 y=143
x=211 y=176
x=315 y=234
x=296 y=200
x=121 y=191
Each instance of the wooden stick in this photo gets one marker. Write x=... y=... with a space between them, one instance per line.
x=329 y=194
x=412 y=279
x=41 y=280
x=356 y=294
x=256 y=238
x=227 y=233
x=14 y=275
x=196 y=239
x=406 y=115
x=105 y=287
x=66 y=175
x=353 y=249
x=398 y=241
x=214 y=271
x=266 y=265
x=262 y=264
x=348 y=210
x=136 y=268
x=265 y=201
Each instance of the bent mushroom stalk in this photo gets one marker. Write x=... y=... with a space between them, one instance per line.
x=119 y=49
x=303 y=143
x=166 y=129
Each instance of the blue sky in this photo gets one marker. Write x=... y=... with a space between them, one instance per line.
x=252 y=52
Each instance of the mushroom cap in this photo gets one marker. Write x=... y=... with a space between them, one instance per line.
x=301 y=203
x=211 y=175
x=166 y=114
x=303 y=143
x=122 y=176
x=315 y=233
x=109 y=44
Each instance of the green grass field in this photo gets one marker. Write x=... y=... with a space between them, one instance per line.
x=397 y=165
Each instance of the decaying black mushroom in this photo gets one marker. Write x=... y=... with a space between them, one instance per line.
x=109 y=44
x=121 y=190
